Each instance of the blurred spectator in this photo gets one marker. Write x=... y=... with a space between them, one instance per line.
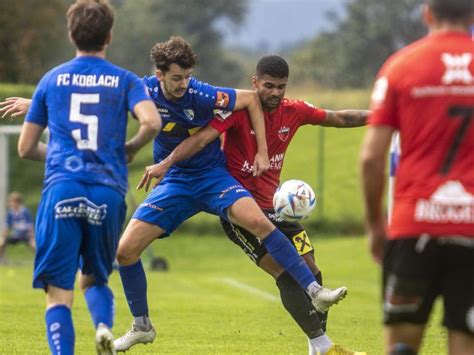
x=19 y=226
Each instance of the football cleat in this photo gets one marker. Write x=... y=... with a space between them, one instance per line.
x=325 y=298
x=134 y=336
x=104 y=340
x=339 y=350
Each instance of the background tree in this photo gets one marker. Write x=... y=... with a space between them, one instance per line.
x=142 y=23
x=351 y=54
x=32 y=38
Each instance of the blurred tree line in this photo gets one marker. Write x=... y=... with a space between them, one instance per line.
x=350 y=55
x=33 y=38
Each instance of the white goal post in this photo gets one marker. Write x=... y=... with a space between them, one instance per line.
x=5 y=132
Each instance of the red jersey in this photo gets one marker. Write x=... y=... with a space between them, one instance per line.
x=426 y=91
x=240 y=145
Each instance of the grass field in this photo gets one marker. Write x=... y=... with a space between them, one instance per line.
x=212 y=301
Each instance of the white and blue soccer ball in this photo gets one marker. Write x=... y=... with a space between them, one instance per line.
x=294 y=200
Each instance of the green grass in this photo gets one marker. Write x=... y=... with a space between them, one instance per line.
x=195 y=311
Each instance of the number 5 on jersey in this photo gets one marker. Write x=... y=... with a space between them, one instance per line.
x=91 y=121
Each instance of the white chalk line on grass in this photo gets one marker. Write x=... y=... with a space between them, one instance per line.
x=244 y=287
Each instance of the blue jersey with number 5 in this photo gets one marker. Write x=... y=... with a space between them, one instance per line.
x=85 y=102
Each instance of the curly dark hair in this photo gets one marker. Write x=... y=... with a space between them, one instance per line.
x=274 y=66
x=89 y=23
x=175 y=50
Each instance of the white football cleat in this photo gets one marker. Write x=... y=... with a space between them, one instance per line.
x=325 y=298
x=104 y=340
x=134 y=336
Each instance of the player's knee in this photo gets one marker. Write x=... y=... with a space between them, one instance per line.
x=402 y=349
x=259 y=226
x=126 y=256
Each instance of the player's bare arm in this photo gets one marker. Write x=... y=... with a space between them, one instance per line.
x=346 y=118
x=29 y=145
x=150 y=125
x=250 y=100
x=184 y=150
x=373 y=162
x=14 y=106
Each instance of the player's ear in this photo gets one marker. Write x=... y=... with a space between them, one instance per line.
x=159 y=74
x=427 y=15
x=254 y=81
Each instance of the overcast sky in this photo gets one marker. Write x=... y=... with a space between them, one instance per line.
x=276 y=23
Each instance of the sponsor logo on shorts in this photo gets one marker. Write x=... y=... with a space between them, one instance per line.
x=396 y=303
x=81 y=207
x=150 y=205
x=236 y=188
x=302 y=243
x=450 y=203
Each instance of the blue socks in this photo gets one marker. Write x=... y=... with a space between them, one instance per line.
x=100 y=301
x=134 y=286
x=60 y=330
x=285 y=254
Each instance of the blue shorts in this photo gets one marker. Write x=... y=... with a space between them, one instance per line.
x=78 y=225
x=179 y=196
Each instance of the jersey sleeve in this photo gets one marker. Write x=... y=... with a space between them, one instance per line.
x=38 y=112
x=214 y=97
x=136 y=91
x=383 y=100
x=224 y=120
x=309 y=114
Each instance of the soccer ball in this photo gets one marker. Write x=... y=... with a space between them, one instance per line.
x=294 y=200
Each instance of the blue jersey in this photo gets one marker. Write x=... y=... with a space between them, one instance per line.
x=19 y=222
x=185 y=116
x=84 y=102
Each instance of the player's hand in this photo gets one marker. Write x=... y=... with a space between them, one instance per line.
x=157 y=171
x=130 y=152
x=14 y=106
x=260 y=164
x=376 y=238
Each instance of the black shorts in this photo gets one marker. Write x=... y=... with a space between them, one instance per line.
x=417 y=270
x=252 y=246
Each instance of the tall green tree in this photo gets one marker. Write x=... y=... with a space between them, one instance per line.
x=351 y=54
x=32 y=38
x=142 y=23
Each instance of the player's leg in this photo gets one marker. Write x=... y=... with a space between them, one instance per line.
x=59 y=238
x=164 y=209
x=295 y=300
x=107 y=209
x=410 y=286
x=246 y=213
x=458 y=293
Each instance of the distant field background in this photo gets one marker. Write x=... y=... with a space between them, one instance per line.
x=213 y=300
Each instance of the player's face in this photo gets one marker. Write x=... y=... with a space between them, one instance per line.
x=174 y=82
x=270 y=90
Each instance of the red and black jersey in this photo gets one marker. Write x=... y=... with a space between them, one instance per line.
x=426 y=91
x=240 y=145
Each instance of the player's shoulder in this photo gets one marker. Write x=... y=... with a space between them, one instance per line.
x=295 y=105
x=403 y=58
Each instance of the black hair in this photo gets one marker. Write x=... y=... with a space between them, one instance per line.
x=274 y=66
x=452 y=10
